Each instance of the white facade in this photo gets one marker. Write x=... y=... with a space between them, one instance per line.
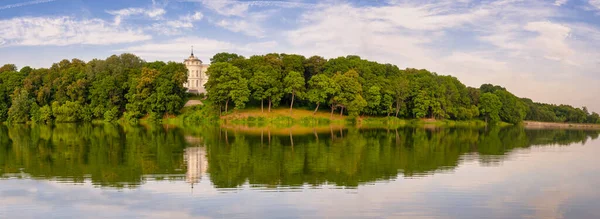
x=196 y=74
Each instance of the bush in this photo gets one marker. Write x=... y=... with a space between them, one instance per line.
x=35 y=113
x=154 y=118
x=68 y=112
x=111 y=115
x=45 y=114
x=87 y=114
x=131 y=117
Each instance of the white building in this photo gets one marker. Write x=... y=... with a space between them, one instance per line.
x=196 y=74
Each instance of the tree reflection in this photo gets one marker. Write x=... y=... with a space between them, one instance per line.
x=124 y=156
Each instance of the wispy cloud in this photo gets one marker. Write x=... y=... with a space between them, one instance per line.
x=204 y=48
x=177 y=26
x=60 y=31
x=17 y=5
x=240 y=8
x=153 y=13
x=595 y=4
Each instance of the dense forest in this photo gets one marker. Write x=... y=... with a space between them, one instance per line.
x=126 y=86
x=73 y=91
x=359 y=87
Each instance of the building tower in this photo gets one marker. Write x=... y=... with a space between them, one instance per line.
x=196 y=74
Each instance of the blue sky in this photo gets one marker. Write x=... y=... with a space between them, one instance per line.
x=547 y=50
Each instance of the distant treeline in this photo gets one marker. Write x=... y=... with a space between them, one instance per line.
x=73 y=91
x=358 y=87
x=127 y=86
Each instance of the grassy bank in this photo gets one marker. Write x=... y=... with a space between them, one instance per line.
x=281 y=117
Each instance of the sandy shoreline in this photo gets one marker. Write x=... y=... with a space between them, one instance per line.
x=555 y=125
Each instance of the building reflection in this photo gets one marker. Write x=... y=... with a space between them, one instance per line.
x=195 y=159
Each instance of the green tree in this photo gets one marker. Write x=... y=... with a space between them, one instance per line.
x=260 y=83
x=294 y=85
x=226 y=83
x=321 y=89
x=19 y=110
x=489 y=107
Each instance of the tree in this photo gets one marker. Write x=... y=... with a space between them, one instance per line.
x=21 y=104
x=320 y=89
x=314 y=66
x=260 y=83
x=8 y=68
x=513 y=109
x=350 y=94
x=373 y=98
x=225 y=83
x=489 y=107
x=399 y=86
x=294 y=85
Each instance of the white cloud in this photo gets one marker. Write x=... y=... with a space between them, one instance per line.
x=240 y=8
x=22 y=4
x=204 y=48
x=560 y=2
x=226 y=7
x=595 y=4
x=176 y=27
x=241 y=26
x=153 y=13
x=60 y=31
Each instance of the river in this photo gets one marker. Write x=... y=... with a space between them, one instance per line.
x=99 y=171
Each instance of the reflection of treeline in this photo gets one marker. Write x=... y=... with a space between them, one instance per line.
x=352 y=157
x=119 y=156
x=109 y=155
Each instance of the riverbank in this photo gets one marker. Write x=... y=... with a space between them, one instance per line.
x=556 y=125
x=281 y=117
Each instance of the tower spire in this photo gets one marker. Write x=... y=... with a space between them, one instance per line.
x=192 y=50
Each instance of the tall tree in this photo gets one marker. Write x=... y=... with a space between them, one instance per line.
x=260 y=83
x=225 y=83
x=321 y=88
x=294 y=84
x=489 y=107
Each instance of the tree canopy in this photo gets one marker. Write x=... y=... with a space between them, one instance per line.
x=127 y=86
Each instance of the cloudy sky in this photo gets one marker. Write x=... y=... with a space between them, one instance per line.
x=547 y=50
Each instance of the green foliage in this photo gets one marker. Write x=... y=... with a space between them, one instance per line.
x=72 y=90
x=489 y=107
x=127 y=86
x=321 y=89
x=46 y=115
x=293 y=84
x=226 y=84
x=20 y=107
x=68 y=112
x=111 y=115
x=513 y=109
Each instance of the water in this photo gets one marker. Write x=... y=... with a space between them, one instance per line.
x=99 y=171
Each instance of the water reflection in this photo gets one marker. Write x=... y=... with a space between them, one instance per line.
x=117 y=156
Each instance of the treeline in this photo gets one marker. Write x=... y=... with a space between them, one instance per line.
x=127 y=86
x=73 y=91
x=354 y=86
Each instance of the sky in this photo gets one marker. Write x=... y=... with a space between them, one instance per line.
x=546 y=50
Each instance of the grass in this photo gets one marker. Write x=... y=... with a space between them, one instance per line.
x=281 y=118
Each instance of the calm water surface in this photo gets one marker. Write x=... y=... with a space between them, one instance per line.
x=98 y=171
